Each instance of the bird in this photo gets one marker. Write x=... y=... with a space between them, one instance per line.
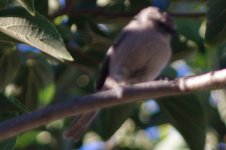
x=139 y=53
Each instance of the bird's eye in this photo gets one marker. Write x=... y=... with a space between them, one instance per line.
x=166 y=27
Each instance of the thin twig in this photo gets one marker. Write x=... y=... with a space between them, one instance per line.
x=116 y=96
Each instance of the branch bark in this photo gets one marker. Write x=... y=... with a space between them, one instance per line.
x=116 y=96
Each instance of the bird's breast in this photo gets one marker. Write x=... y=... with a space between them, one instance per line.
x=139 y=57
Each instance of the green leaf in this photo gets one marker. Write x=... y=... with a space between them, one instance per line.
x=33 y=30
x=216 y=21
x=26 y=139
x=8 y=144
x=46 y=94
x=28 y=5
x=187 y=115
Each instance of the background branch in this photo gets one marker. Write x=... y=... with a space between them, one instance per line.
x=120 y=95
x=101 y=13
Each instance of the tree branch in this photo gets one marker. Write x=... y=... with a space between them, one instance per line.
x=116 y=96
x=115 y=17
x=100 y=13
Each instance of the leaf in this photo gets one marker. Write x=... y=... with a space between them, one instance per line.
x=3 y=4
x=9 y=64
x=28 y=5
x=216 y=21
x=46 y=94
x=187 y=115
x=33 y=30
x=8 y=144
x=7 y=39
x=6 y=45
x=190 y=29
x=35 y=79
x=10 y=104
x=26 y=139
x=219 y=96
x=41 y=6
x=109 y=120
x=181 y=48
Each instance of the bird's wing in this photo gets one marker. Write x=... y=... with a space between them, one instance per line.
x=104 y=72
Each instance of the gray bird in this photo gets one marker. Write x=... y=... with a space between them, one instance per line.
x=139 y=54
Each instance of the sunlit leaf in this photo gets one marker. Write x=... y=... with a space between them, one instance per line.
x=25 y=139
x=33 y=30
x=46 y=94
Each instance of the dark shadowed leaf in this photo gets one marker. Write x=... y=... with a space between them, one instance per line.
x=33 y=30
x=7 y=39
x=10 y=104
x=220 y=97
x=109 y=120
x=181 y=48
x=9 y=64
x=187 y=115
x=3 y=4
x=190 y=29
x=36 y=81
x=8 y=144
x=216 y=21
x=41 y=6
x=28 y=5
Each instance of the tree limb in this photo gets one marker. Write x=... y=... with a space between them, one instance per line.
x=116 y=96
x=101 y=13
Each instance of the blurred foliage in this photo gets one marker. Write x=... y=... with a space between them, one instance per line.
x=83 y=30
x=189 y=107
x=216 y=28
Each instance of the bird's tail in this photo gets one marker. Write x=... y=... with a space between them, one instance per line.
x=82 y=121
x=79 y=125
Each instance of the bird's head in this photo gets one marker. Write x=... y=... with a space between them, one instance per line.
x=160 y=19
